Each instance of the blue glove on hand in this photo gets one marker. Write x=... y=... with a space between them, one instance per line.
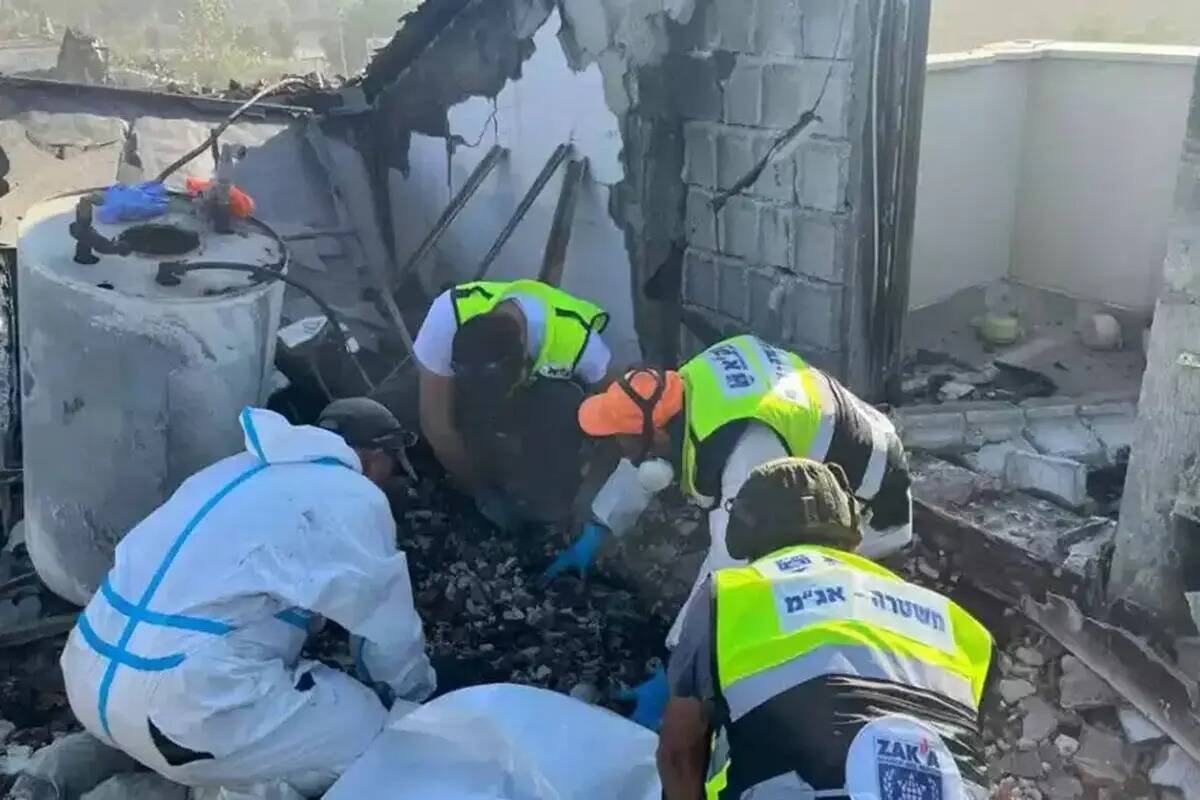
x=651 y=700
x=498 y=509
x=579 y=555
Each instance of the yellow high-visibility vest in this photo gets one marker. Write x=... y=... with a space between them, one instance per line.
x=570 y=322
x=805 y=613
x=744 y=378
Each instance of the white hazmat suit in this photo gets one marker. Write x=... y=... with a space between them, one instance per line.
x=188 y=658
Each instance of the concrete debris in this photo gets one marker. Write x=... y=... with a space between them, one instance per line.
x=1061 y=480
x=1187 y=649
x=1177 y=771
x=1080 y=688
x=1014 y=690
x=992 y=459
x=1030 y=656
x=1066 y=745
x=1138 y=729
x=1103 y=758
x=955 y=390
x=6 y=730
x=1040 y=721
x=1061 y=786
x=142 y=785
x=16 y=757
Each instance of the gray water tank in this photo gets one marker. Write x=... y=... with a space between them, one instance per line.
x=129 y=386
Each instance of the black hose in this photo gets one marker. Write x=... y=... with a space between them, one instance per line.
x=170 y=273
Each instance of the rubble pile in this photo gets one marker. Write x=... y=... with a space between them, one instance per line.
x=488 y=620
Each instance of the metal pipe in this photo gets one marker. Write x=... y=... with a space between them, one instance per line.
x=555 y=257
x=451 y=212
x=556 y=158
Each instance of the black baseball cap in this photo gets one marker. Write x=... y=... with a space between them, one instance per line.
x=364 y=423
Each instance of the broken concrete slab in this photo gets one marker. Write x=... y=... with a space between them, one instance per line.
x=1113 y=423
x=1079 y=688
x=1012 y=543
x=1138 y=729
x=992 y=458
x=1054 y=428
x=1066 y=746
x=1062 y=480
x=933 y=428
x=1103 y=759
x=994 y=422
x=1061 y=786
x=1014 y=690
x=1175 y=770
x=1040 y=721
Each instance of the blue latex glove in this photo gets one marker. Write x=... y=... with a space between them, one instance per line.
x=125 y=203
x=579 y=555
x=651 y=700
x=498 y=509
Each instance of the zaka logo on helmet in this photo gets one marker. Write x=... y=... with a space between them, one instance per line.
x=796 y=563
x=908 y=770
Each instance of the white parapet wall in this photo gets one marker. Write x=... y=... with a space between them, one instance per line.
x=1052 y=164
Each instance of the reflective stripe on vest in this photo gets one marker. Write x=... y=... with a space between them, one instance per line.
x=809 y=612
x=746 y=378
x=570 y=322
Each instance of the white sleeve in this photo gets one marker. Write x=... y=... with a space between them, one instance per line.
x=345 y=567
x=757 y=445
x=593 y=363
x=434 y=345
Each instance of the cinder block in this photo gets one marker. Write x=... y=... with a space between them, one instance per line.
x=735 y=155
x=744 y=94
x=1061 y=480
x=834 y=109
x=990 y=423
x=701 y=221
x=700 y=279
x=739 y=229
x=776 y=233
x=812 y=316
x=818 y=245
x=778 y=180
x=779 y=28
x=785 y=94
x=931 y=428
x=822 y=21
x=733 y=290
x=762 y=283
x=700 y=154
x=823 y=175
x=734 y=24
x=992 y=459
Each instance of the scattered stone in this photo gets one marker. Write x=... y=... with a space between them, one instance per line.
x=1177 y=770
x=1066 y=745
x=1014 y=690
x=1025 y=744
x=586 y=692
x=1041 y=719
x=1080 y=688
x=955 y=390
x=1062 y=786
x=992 y=458
x=1022 y=763
x=1030 y=656
x=1103 y=759
x=1137 y=728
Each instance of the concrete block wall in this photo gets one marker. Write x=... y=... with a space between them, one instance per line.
x=775 y=259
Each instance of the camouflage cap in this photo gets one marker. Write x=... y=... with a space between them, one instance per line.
x=789 y=502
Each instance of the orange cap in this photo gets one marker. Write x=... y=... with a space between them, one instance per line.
x=613 y=412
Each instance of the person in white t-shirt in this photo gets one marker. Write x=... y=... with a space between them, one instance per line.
x=503 y=367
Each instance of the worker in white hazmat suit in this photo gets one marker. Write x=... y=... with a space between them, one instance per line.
x=188 y=657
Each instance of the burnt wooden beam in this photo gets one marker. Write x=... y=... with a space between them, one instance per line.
x=554 y=259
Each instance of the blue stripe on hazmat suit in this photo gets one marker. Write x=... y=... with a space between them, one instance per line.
x=199 y=625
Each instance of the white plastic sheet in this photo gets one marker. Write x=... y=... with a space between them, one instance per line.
x=505 y=741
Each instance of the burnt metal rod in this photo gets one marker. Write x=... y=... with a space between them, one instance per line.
x=555 y=257
x=451 y=212
x=552 y=164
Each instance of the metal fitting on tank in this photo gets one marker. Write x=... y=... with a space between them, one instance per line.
x=87 y=240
